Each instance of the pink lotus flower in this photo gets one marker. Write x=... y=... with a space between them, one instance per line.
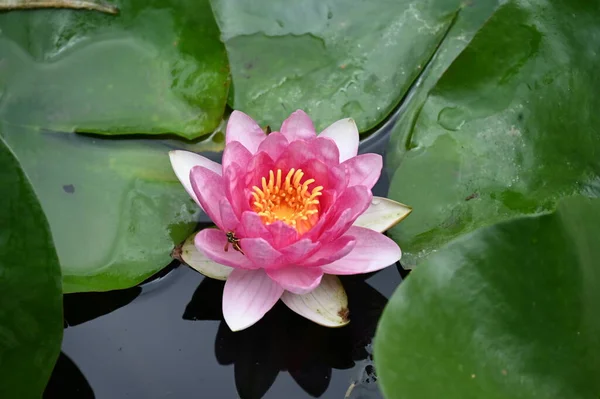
x=292 y=209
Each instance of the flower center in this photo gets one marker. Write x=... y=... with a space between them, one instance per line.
x=287 y=200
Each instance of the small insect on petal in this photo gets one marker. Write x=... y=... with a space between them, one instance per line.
x=189 y=254
x=382 y=214
x=326 y=305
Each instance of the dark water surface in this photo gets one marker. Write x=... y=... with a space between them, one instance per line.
x=166 y=339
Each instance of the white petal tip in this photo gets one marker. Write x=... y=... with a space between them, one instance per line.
x=345 y=134
x=351 y=122
x=236 y=328
x=326 y=305
x=175 y=155
x=239 y=322
x=383 y=214
x=195 y=259
x=348 y=125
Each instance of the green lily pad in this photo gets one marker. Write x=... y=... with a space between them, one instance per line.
x=468 y=21
x=509 y=311
x=156 y=67
x=115 y=207
x=335 y=58
x=30 y=292
x=509 y=129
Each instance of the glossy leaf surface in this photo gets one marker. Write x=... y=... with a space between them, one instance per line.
x=156 y=67
x=30 y=291
x=115 y=207
x=509 y=129
x=509 y=311
x=335 y=58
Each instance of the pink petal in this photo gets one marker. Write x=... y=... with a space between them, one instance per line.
x=245 y=130
x=252 y=226
x=347 y=207
x=333 y=180
x=283 y=234
x=299 y=250
x=357 y=199
x=331 y=252
x=261 y=253
x=325 y=150
x=295 y=279
x=339 y=177
x=345 y=134
x=182 y=163
x=298 y=153
x=209 y=187
x=212 y=242
x=298 y=126
x=373 y=251
x=364 y=170
x=259 y=167
x=229 y=219
x=236 y=152
x=317 y=170
x=234 y=180
x=333 y=226
x=327 y=200
x=274 y=145
x=247 y=297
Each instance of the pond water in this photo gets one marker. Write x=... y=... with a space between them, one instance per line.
x=166 y=339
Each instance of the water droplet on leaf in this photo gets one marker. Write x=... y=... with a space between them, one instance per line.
x=452 y=118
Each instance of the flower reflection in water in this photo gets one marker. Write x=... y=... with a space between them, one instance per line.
x=283 y=341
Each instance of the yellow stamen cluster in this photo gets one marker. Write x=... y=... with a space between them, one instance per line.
x=287 y=200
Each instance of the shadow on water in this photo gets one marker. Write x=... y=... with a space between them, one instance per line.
x=86 y=306
x=67 y=381
x=285 y=342
x=281 y=351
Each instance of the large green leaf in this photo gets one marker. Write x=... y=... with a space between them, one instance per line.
x=30 y=294
x=469 y=20
x=115 y=207
x=509 y=129
x=335 y=58
x=157 y=67
x=509 y=311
